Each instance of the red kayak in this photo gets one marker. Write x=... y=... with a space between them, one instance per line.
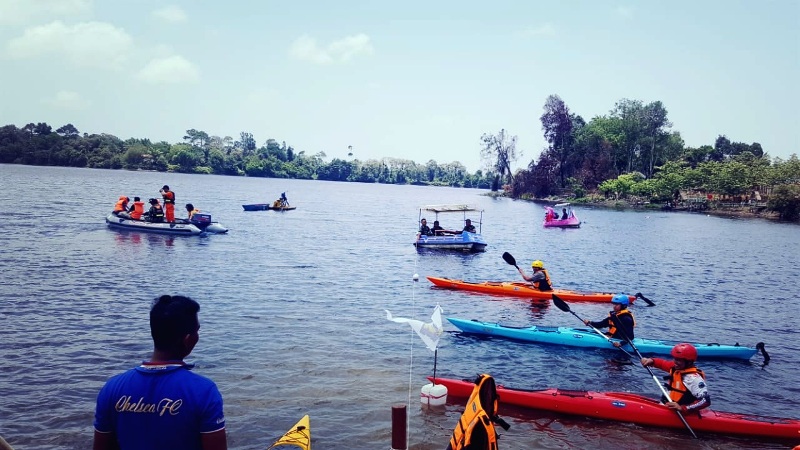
x=634 y=408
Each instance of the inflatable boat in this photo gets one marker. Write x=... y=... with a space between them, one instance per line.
x=200 y=224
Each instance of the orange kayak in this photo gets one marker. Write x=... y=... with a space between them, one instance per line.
x=520 y=289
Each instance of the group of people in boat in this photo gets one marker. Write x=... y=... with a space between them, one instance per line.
x=551 y=215
x=437 y=230
x=156 y=212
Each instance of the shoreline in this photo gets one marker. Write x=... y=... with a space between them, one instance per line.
x=736 y=212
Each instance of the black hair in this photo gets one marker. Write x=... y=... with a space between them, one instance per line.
x=189 y=206
x=137 y=199
x=171 y=318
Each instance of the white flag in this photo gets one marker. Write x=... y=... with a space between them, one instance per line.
x=429 y=332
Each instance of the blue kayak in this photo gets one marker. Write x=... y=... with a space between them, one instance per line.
x=586 y=337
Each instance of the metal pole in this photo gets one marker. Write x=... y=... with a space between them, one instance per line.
x=399 y=427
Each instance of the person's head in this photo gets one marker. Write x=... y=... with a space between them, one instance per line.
x=189 y=207
x=165 y=188
x=537 y=265
x=468 y=222
x=423 y=221
x=153 y=201
x=137 y=199
x=174 y=324
x=620 y=300
x=684 y=355
x=436 y=223
x=123 y=198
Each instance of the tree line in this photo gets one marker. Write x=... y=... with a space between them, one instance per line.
x=38 y=144
x=632 y=153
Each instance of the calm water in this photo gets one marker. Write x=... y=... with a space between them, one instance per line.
x=293 y=303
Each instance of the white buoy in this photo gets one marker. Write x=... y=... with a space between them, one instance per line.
x=416 y=277
x=433 y=394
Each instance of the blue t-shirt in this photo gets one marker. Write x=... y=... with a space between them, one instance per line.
x=159 y=407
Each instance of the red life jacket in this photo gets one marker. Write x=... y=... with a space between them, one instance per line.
x=138 y=210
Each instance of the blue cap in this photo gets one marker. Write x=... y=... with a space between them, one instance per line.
x=620 y=299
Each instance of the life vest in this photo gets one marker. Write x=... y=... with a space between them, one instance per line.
x=612 y=330
x=484 y=395
x=156 y=213
x=548 y=285
x=138 y=210
x=120 y=205
x=169 y=197
x=276 y=203
x=677 y=391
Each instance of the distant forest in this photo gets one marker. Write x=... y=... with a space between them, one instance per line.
x=38 y=144
x=629 y=154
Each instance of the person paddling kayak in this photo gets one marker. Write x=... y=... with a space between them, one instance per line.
x=540 y=278
x=620 y=321
x=687 y=384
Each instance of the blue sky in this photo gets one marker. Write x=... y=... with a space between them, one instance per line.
x=414 y=80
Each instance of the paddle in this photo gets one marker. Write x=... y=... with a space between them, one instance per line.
x=646 y=300
x=510 y=259
x=562 y=305
x=660 y=386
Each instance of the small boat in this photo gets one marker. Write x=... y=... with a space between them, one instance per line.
x=551 y=217
x=587 y=338
x=451 y=239
x=520 y=289
x=267 y=207
x=299 y=435
x=633 y=408
x=201 y=223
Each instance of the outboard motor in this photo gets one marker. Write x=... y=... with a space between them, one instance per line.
x=201 y=221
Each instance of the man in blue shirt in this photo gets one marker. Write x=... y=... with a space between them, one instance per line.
x=162 y=404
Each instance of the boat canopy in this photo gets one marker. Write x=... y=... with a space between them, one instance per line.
x=449 y=208
x=561 y=205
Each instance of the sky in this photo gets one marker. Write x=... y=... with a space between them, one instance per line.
x=417 y=80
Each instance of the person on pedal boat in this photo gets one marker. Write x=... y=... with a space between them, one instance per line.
x=540 y=278
x=620 y=321
x=424 y=229
x=468 y=226
x=687 y=384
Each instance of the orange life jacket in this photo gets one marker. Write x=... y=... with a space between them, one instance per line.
x=613 y=328
x=121 y=204
x=138 y=210
x=484 y=395
x=169 y=197
x=548 y=285
x=677 y=391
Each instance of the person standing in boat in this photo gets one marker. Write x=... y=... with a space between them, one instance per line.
x=137 y=209
x=156 y=212
x=687 y=384
x=540 y=278
x=620 y=321
x=162 y=404
x=169 y=203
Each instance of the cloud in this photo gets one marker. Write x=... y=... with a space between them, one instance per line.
x=305 y=48
x=543 y=30
x=169 y=70
x=88 y=44
x=68 y=100
x=170 y=13
x=18 y=12
x=625 y=12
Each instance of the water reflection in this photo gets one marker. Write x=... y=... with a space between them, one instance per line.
x=126 y=238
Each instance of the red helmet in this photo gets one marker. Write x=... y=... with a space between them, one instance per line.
x=684 y=351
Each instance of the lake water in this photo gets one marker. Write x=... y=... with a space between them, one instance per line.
x=292 y=307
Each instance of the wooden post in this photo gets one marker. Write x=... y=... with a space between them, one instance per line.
x=399 y=426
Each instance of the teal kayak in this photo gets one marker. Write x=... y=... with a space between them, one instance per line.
x=585 y=337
